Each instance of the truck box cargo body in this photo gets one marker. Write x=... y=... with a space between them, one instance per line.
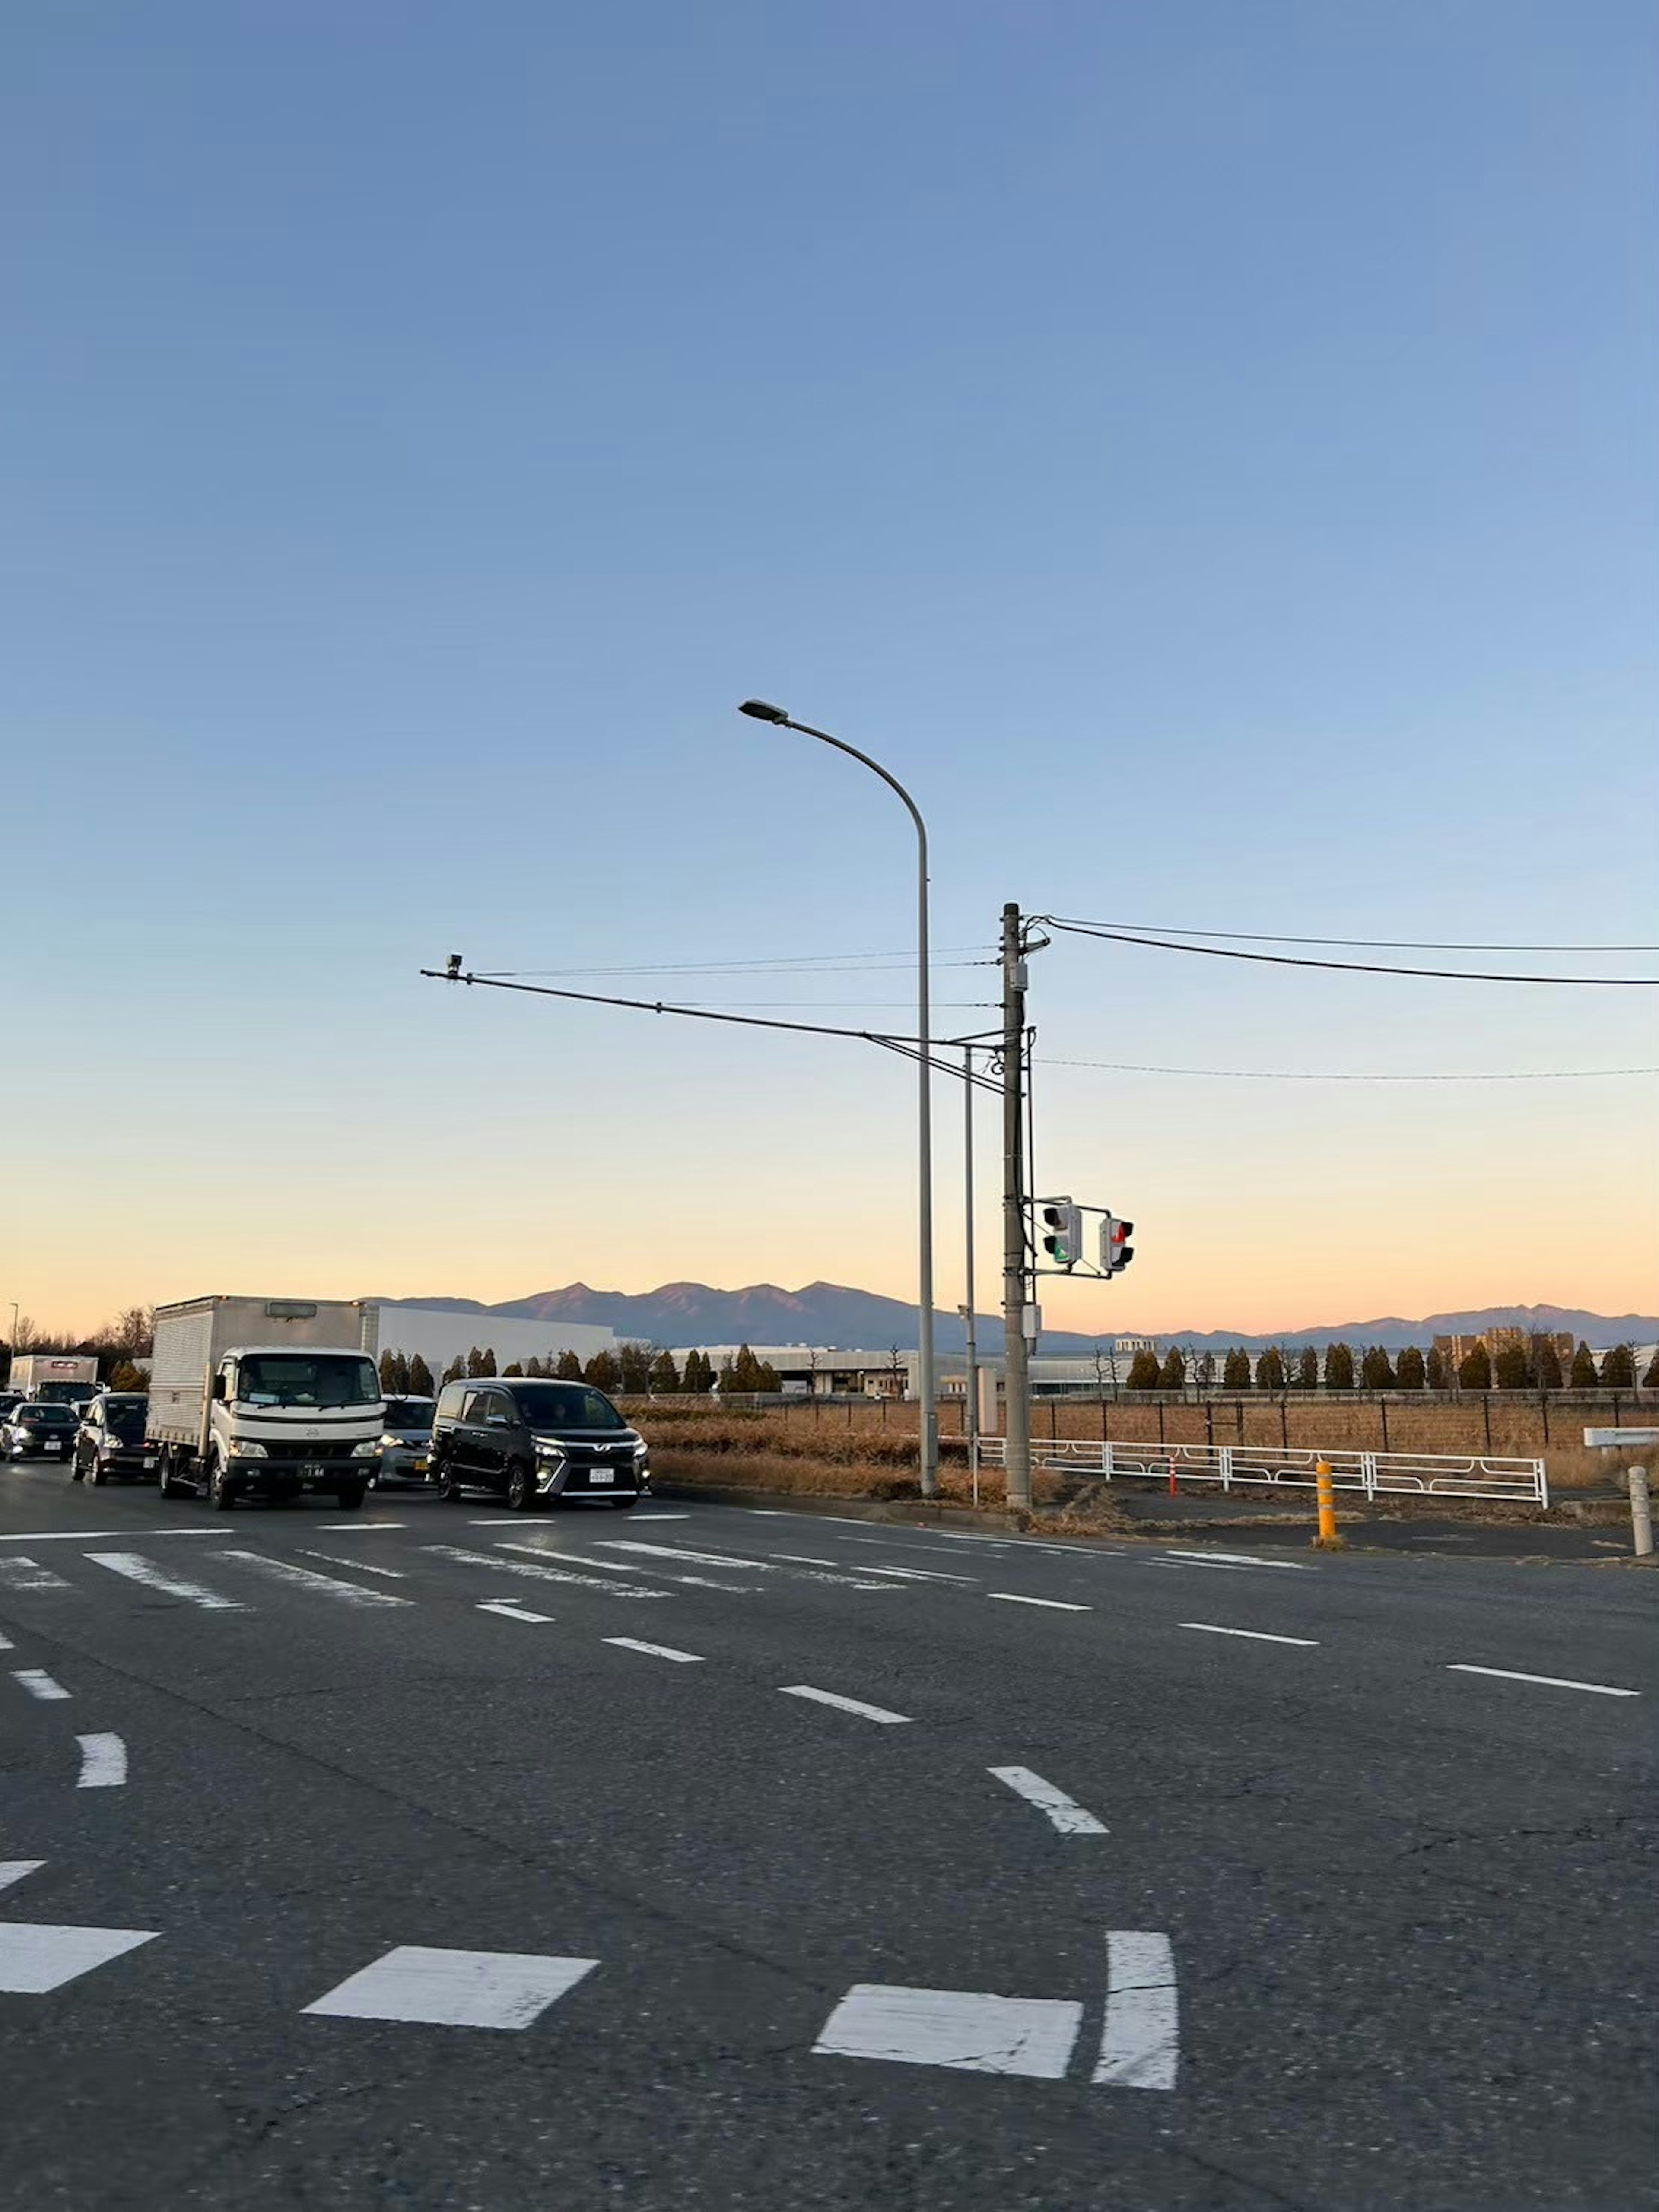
x=53 y=1378
x=273 y=1395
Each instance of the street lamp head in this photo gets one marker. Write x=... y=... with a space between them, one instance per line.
x=763 y=712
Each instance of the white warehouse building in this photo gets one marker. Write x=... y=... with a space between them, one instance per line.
x=439 y=1336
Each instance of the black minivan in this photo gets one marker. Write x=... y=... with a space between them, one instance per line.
x=528 y=1441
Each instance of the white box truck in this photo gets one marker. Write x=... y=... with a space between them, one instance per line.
x=53 y=1378
x=265 y=1397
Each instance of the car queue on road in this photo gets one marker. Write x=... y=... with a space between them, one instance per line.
x=530 y=1442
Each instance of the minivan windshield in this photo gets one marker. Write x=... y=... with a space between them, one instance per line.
x=408 y=1413
x=306 y=1378
x=126 y=1415
x=565 y=1406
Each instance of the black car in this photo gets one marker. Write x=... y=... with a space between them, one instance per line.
x=530 y=1441
x=34 y=1431
x=111 y=1439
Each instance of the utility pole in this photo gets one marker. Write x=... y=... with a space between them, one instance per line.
x=1017 y=1426
x=971 y=1378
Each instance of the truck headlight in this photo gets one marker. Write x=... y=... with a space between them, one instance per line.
x=248 y=1449
x=367 y=1449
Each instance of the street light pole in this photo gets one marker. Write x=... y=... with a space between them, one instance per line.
x=926 y=1388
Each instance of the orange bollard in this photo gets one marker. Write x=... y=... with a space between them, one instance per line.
x=1325 y=1492
x=1174 y=1493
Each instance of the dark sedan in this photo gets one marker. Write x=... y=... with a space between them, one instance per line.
x=36 y=1431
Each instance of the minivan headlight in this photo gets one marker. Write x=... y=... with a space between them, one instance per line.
x=549 y=1448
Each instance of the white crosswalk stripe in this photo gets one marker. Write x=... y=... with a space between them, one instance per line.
x=748 y=1565
x=137 y=1569
x=18 y=1573
x=307 y=1578
x=498 y=1565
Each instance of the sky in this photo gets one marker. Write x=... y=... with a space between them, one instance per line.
x=1208 y=453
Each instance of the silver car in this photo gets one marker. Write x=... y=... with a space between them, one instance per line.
x=405 y=1442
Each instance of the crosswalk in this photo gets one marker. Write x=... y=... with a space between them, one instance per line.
x=437 y=1986
x=239 y=1573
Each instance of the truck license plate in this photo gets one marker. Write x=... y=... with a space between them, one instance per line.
x=595 y=1474
x=314 y=1473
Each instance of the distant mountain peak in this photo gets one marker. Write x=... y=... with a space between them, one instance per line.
x=688 y=1315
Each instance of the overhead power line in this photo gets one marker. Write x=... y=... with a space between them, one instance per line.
x=1361 y=944
x=909 y=1047
x=1344 y=966
x=1320 y=1075
x=819 y=963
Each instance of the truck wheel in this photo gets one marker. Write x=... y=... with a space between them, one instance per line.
x=167 y=1481
x=220 y=1496
x=349 y=1496
x=521 y=1489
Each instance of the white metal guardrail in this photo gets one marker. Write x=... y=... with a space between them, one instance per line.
x=1411 y=1474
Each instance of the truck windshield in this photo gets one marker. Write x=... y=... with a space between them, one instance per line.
x=307 y=1378
x=565 y=1406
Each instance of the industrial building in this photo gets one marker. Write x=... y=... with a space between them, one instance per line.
x=440 y=1336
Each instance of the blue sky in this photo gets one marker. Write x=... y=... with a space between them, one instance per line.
x=1208 y=453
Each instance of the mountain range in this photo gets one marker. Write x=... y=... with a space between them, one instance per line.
x=682 y=1315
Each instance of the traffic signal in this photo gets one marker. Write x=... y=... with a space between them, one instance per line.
x=1116 y=1249
x=1062 y=1223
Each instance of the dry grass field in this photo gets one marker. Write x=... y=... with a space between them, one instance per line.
x=868 y=1448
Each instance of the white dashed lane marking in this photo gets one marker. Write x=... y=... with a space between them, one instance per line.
x=1140 y=2047
x=655 y=1650
x=1253 y=1635
x=1245 y=1559
x=510 y=1611
x=1546 y=1681
x=358 y=1527
x=1053 y=1604
x=103 y=1762
x=13 y=1870
x=1063 y=1812
x=454 y=1989
x=845 y=1705
x=137 y=1569
x=39 y=1683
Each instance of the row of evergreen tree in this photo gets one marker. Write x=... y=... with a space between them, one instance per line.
x=1535 y=1366
x=633 y=1371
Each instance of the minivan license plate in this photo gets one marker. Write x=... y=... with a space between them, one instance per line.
x=598 y=1474
x=57 y=1447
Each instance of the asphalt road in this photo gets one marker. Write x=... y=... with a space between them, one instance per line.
x=431 y=1857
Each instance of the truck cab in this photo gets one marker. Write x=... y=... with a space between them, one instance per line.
x=283 y=1418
